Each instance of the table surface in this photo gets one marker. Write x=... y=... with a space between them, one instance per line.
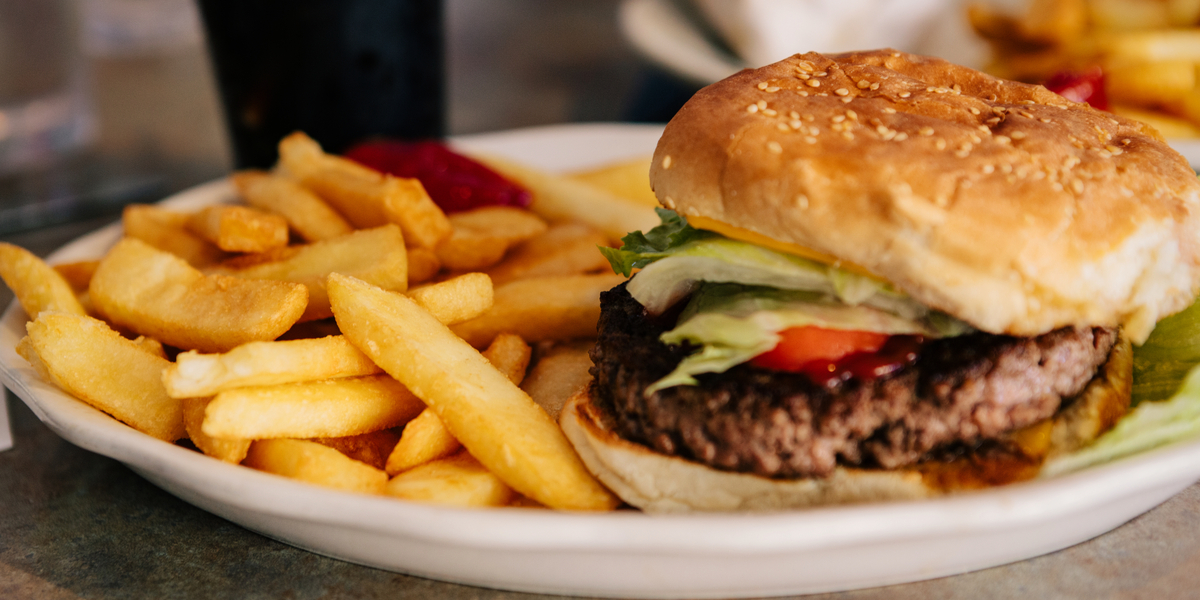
x=78 y=525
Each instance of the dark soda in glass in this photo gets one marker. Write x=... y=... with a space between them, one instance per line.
x=340 y=70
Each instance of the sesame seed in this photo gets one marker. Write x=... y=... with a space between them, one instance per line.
x=802 y=201
x=773 y=89
x=926 y=130
x=775 y=147
x=962 y=153
x=874 y=86
x=794 y=115
x=1058 y=187
x=1025 y=113
x=975 y=139
x=770 y=112
x=814 y=130
x=889 y=110
x=989 y=169
x=669 y=201
x=931 y=89
x=753 y=108
x=809 y=118
x=993 y=121
x=904 y=94
x=974 y=110
x=838 y=118
x=848 y=135
x=810 y=140
x=795 y=124
x=900 y=137
x=814 y=83
x=822 y=73
x=1002 y=139
x=804 y=93
x=1006 y=168
x=957 y=89
x=803 y=76
x=888 y=134
x=762 y=85
x=863 y=84
x=984 y=129
x=1044 y=120
x=841 y=91
x=666 y=162
x=1113 y=150
x=992 y=98
x=940 y=144
x=782 y=126
x=847 y=99
x=761 y=104
x=1077 y=186
x=1017 y=135
x=851 y=115
x=1028 y=102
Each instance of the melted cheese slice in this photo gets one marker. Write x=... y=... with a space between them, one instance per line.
x=759 y=239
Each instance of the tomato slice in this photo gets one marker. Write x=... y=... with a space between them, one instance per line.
x=801 y=346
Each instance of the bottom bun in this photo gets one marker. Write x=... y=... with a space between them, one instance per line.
x=656 y=482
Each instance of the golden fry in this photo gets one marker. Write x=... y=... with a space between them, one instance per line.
x=510 y=355
x=92 y=362
x=458 y=480
x=496 y=421
x=370 y=448
x=239 y=228
x=564 y=249
x=312 y=409
x=628 y=179
x=544 y=308
x=374 y=255
x=457 y=299
x=307 y=214
x=78 y=274
x=167 y=231
x=424 y=438
x=37 y=286
x=230 y=450
x=314 y=463
x=265 y=363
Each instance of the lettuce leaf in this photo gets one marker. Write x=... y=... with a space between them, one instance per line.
x=640 y=249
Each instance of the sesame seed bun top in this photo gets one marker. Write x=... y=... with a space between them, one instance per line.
x=999 y=202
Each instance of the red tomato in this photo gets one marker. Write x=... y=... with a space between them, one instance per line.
x=800 y=346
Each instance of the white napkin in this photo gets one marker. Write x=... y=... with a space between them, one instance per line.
x=765 y=31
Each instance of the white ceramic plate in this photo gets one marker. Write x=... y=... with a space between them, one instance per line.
x=626 y=554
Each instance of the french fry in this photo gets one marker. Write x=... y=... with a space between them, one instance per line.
x=496 y=421
x=228 y=450
x=312 y=409
x=1054 y=21
x=92 y=362
x=424 y=439
x=315 y=463
x=151 y=345
x=628 y=179
x=307 y=214
x=1169 y=126
x=239 y=228
x=457 y=299
x=167 y=231
x=258 y=364
x=557 y=198
x=544 y=308
x=1154 y=85
x=558 y=376
x=423 y=264
x=370 y=448
x=482 y=236
x=364 y=196
x=458 y=480
x=374 y=255
x=510 y=355
x=37 y=286
x=564 y=249
x=159 y=295
x=1152 y=46
x=78 y=274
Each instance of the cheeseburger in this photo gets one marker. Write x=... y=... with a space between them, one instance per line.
x=880 y=276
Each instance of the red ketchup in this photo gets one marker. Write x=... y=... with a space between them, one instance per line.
x=455 y=182
x=1080 y=86
x=898 y=352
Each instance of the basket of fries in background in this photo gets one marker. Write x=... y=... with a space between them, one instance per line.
x=335 y=324
x=1136 y=58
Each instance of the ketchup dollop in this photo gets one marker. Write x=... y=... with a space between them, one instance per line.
x=1080 y=86
x=898 y=352
x=455 y=182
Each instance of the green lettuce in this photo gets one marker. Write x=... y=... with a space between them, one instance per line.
x=640 y=249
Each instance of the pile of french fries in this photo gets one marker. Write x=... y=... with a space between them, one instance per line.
x=1149 y=51
x=338 y=328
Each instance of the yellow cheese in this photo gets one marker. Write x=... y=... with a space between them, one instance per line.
x=759 y=239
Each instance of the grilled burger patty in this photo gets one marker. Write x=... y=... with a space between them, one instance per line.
x=961 y=390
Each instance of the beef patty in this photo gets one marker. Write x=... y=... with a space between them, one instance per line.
x=961 y=390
